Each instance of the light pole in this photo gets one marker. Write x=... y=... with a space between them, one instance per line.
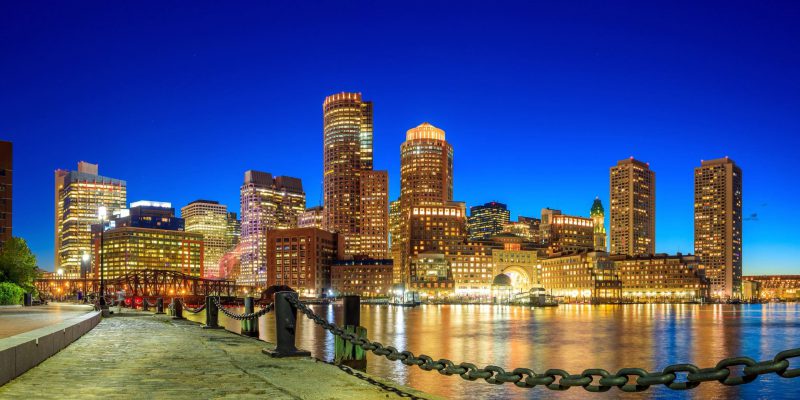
x=101 y=213
x=85 y=265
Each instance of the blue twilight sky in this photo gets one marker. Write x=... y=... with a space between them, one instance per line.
x=539 y=99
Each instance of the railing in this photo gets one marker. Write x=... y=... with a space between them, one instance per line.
x=675 y=377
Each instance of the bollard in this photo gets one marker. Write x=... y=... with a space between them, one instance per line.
x=177 y=309
x=285 y=328
x=249 y=326
x=160 y=305
x=346 y=353
x=212 y=314
x=145 y=306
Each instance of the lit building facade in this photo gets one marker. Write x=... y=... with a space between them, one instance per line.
x=527 y=228
x=661 y=278
x=301 y=258
x=782 y=287
x=347 y=166
x=210 y=219
x=487 y=220
x=432 y=230
x=395 y=243
x=585 y=276
x=79 y=197
x=233 y=230
x=310 y=218
x=718 y=224
x=633 y=208
x=362 y=277
x=566 y=233
x=522 y=266
x=6 y=178
x=471 y=266
x=598 y=216
x=266 y=203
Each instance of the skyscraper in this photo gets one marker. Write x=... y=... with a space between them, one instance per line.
x=233 y=231
x=487 y=220
x=348 y=176
x=6 y=172
x=426 y=167
x=266 y=203
x=79 y=196
x=633 y=208
x=598 y=216
x=210 y=219
x=718 y=224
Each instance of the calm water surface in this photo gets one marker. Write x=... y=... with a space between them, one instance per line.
x=570 y=337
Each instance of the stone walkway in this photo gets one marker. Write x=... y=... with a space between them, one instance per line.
x=140 y=356
x=16 y=320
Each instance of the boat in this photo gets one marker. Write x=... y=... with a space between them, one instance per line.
x=540 y=298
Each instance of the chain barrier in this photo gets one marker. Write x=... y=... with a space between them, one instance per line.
x=592 y=380
x=192 y=310
x=242 y=317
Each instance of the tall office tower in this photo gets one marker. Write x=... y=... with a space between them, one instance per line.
x=426 y=179
x=233 y=231
x=210 y=219
x=266 y=203
x=79 y=197
x=310 y=218
x=347 y=166
x=395 y=248
x=6 y=172
x=487 y=220
x=633 y=208
x=598 y=215
x=718 y=224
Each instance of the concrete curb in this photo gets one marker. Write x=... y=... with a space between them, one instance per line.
x=22 y=352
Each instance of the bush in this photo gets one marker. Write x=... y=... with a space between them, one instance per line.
x=10 y=293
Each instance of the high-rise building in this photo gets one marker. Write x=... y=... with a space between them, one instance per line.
x=301 y=258
x=6 y=172
x=233 y=231
x=395 y=243
x=210 y=219
x=266 y=203
x=598 y=216
x=633 y=208
x=147 y=236
x=433 y=230
x=348 y=177
x=79 y=198
x=311 y=218
x=718 y=224
x=487 y=220
x=566 y=233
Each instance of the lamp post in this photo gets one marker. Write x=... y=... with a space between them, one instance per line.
x=101 y=214
x=85 y=265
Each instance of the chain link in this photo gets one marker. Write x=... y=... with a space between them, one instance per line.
x=592 y=380
x=192 y=310
x=246 y=316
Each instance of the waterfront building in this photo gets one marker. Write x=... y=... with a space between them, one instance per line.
x=599 y=222
x=432 y=274
x=633 y=208
x=584 y=276
x=348 y=176
x=434 y=229
x=80 y=196
x=6 y=178
x=751 y=290
x=718 y=224
x=362 y=277
x=266 y=203
x=566 y=233
x=661 y=278
x=520 y=265
x=233 y=230
x=487 y=220
x=301 y=258
x=310 y=218
x=210 y=219
x=471 y=267
x=782 y=287
x=147 y=236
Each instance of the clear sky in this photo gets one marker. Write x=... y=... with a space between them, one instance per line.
x=539 y=99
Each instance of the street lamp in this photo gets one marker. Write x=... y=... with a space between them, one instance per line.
x=101 y=214
x=85 y=266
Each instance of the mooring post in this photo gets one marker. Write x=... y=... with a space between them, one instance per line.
x=285 y=328
x=177 y=308
x=249 y=326
x=212 y=314
x=160 y=305
x=145 y=306
x=346 y=353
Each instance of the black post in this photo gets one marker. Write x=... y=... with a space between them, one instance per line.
x=285 y=328
x=352 y=310
x=212 y=314
x=177 y=309
x=102 y=275
x=249 y=326
x=346 y=353
x=160 y=305
x=145 y=307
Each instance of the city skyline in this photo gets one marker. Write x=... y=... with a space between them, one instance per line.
x=693 y=120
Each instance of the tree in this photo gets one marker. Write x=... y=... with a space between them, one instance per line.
x=18 y=264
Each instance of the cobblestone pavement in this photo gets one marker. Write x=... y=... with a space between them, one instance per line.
x=140 y=356
x=16 y=320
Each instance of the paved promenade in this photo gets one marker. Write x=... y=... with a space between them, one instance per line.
x=140 y=356
x=16 y=320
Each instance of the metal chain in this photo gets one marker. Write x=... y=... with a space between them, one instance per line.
x=592 y=380
x=242 y=317
x=192 y=310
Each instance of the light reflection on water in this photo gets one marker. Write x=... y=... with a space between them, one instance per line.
x=570 y=337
